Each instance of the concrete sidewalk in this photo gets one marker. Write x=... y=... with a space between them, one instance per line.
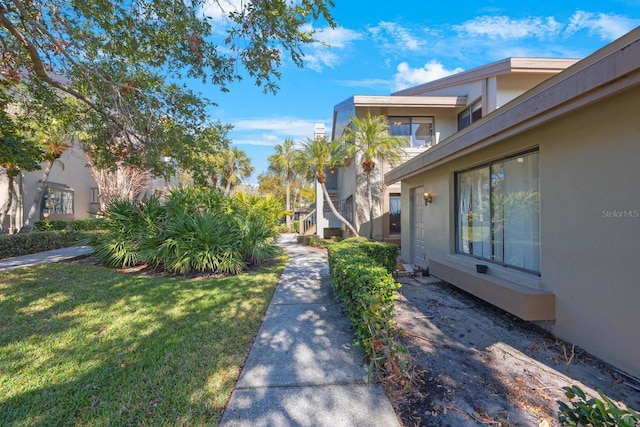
x=55 y=255
x=303 y=369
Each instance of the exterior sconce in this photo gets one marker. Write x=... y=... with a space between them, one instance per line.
x=427 y=198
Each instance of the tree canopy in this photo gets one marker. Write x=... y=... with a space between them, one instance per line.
x=126 y=61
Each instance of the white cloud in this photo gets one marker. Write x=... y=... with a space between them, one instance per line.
x=218 y=10
x=505 y=28
x=395 y=37
x=606 y=26
x=432 y=70
x=269 y=131
x=330 y=40
x=320 y=57
x=365 y=83
x=338 y=37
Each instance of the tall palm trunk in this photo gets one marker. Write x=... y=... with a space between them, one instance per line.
x=333 y=209
x=288 y=203
x=370 y=200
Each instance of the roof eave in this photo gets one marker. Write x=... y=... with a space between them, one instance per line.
x=610 y=70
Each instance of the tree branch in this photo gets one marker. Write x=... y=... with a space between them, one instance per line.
x=41 y=72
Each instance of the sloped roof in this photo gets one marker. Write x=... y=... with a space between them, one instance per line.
x=612 y=69
x=505 y=66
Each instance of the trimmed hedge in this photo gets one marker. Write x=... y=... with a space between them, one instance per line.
x=29 y=243
x=88 y=224
x=313 y=240
x=367 y=291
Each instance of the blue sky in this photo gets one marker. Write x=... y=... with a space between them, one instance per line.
x=380 y=47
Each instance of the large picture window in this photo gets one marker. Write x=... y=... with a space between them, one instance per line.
x=497 y=212
x=418 y=131
x=58 y=201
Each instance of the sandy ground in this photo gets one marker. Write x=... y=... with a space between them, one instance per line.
x=478 y=365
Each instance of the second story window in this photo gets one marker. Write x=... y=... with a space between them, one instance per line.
x=469 y=115
x=419 y=131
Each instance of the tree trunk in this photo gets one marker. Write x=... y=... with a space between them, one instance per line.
x=288 y=203
x=335 y=212
x=7 y=205
x=370 y=200
x=27 y=226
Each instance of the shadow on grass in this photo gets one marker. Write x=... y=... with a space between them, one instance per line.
x=81 y=344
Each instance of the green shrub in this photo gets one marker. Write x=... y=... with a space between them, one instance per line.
x=313 y=240
x=256 y=216
x=198 y=242
x=367 y=291
x=385 y=254
x=89 y=224
x=29 y=243
x=594 y=412
x=195 y=230
x=49 y=225
x=127 y=224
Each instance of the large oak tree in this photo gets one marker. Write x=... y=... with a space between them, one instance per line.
x=127 y=61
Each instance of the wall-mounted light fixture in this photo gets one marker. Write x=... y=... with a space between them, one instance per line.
x=427 y=198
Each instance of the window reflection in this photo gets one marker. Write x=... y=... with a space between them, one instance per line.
x=419 y=131
x=498 y=212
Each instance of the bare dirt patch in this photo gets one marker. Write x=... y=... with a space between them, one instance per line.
x=478 y=365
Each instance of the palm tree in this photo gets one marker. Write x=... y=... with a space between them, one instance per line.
x=369 y=137
x=319 y=155
x=285 y=162
x=237 y=167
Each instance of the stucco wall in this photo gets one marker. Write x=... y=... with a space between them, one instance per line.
x=590 y=212
x=590 y=220
x=70 y=170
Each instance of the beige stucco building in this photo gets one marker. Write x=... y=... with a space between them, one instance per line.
x=543 y=191
x=425 y=115
x=70 y=191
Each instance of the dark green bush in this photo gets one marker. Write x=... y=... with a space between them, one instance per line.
x=385 y=254
x=48 y=225
x=29 y=243
x=367 y=291
x=195 y=230
x=89 y=224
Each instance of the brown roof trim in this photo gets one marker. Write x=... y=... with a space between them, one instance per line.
x=402 y=101
x=505 y=66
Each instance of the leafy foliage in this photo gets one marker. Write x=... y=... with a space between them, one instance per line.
x=367 y=291
x=195 y=230
x=594 y=412
x=121 y=60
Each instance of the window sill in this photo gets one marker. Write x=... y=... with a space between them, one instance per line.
x=526 y=302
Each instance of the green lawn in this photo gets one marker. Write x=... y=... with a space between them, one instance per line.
x=83 y=345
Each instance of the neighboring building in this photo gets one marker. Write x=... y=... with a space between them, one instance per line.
x=544 y=192
x=70 y=191
x=425 y=115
